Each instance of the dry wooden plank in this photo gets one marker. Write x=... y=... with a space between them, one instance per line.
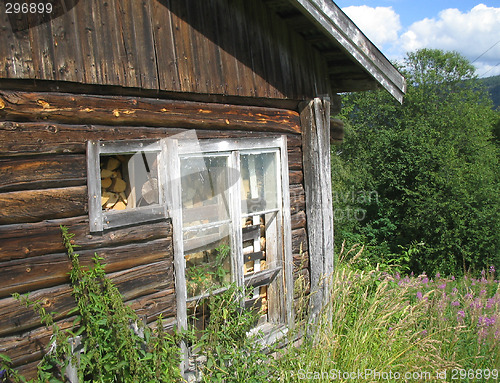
x=67 y=59
x=17 y=60
x=163 y=35
x=35 y=273
x=34 y=239
x=297 y=199
x=250 y=257
x=112 y=110
x=261 y=278
x=319 y=209
x=299 y=240
x=185 y=60
x=296 y=177
x=140 y=12
x=42 y=172
x=295 y=159
x=132 y=283
x=298 y=220
x=250 y=232
x=37 y=205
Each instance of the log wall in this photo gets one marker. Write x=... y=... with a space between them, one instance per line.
x=216 y=47
x=43 y=185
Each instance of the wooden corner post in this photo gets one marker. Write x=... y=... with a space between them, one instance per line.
x=315 y=122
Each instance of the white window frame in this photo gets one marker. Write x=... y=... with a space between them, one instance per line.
x=100 y=220
x=176 y=149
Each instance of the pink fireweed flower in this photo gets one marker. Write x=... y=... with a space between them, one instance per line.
x=423 y=333
x=419 y=295
x=454 y=291
x=425 y=280
x=452 y=277
x=483 y=292
x=443 y=286
x=460 y=316
x=455 y=303
x=492 y=269
x=438 y=275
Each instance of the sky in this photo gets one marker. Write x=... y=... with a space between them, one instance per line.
x=469 y=27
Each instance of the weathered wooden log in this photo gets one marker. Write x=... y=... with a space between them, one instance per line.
x=114 y=110
x=37 y=205
x=27 y=347
x=42 y=172
x=23 y=275
x=298 y=220
x=296 y=177
x=28 y=138
x=34 y=239
x=297 y=199
x=295 y=158
x=132 y=283
x=300 y=261
x=299 y=240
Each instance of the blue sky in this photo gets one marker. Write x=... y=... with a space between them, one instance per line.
x=398 y=26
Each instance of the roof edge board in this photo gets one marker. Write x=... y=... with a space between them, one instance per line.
x=330 y=18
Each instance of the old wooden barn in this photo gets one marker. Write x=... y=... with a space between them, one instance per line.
x=162 y=131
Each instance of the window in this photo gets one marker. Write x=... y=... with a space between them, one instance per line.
x=229 y=205
x=231 y=224
x=126 y=182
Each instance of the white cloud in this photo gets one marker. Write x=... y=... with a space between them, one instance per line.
x=471 y=33
x=381 y=24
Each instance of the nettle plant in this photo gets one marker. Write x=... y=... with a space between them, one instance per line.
x=111 y=350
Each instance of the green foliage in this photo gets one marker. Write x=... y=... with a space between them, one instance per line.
x=111 y=350
x=433 y=165
x=230 y=354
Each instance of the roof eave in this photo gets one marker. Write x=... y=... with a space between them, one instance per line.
x=335 y=24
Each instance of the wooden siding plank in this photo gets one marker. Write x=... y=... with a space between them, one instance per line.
x=163 y=35
x=37 y=205
x=84 y=109
x=42 y=172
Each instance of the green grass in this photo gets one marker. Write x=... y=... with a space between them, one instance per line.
x=377 y=322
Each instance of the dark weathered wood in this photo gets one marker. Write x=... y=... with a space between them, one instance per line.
x=132 y=283
x=298 y=220
x=315 y=119
x=296 y=177
x=42 y=172
x=295 y=158
x=251 y=232
x=261 y=278
x=299 y=240
x=37 y=205
x=297 y=199
x=34 y=239
x=23 y=275
x=259 y=255
x=110 y=110
x=28 y=138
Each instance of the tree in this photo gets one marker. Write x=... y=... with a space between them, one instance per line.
x=433 y=165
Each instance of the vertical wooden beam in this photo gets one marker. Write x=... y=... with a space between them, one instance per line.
x=315 y=121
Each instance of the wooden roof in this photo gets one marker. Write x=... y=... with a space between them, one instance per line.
x=354 y=63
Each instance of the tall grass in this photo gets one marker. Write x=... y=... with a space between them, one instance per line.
x=382 y=322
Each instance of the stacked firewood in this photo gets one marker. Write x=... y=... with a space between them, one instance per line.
x=113 y=186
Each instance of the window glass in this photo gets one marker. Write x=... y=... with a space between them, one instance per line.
x=204 y=184
x=208 y=260
x=259 y=182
